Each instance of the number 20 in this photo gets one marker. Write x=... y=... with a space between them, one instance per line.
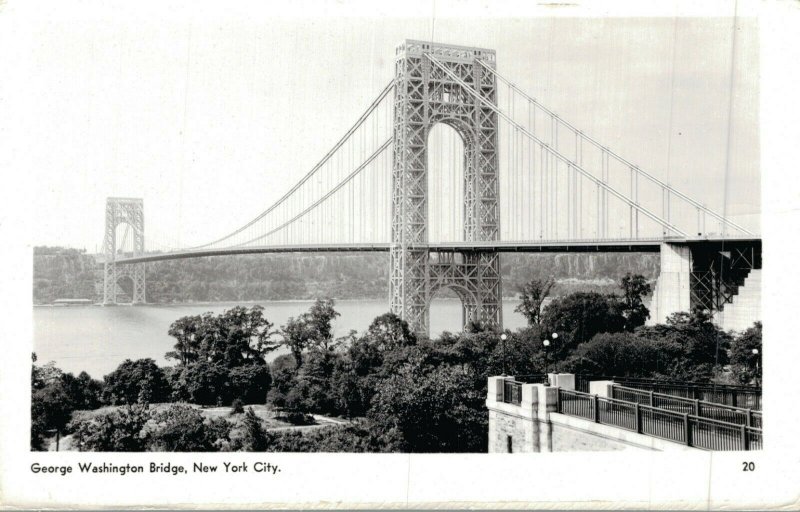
x=748 y=466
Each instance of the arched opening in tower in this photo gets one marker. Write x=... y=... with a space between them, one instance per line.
x=445 y=185
x=125 y=236
x=450 y=309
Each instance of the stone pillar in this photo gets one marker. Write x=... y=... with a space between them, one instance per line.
x=601 y=388
x=529 y=406
x=673 y=287
x=562 y=380
x=496 y=389
x=548 y=398
x=528 y=424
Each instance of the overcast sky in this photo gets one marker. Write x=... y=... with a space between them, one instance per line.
x=210 y=120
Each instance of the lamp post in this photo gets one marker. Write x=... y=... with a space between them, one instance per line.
x=755 y=353
x=503 y=339
x=546 y=343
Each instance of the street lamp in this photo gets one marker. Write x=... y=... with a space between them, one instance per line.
x=503 y=339
x=546 y=343
x=755 y=353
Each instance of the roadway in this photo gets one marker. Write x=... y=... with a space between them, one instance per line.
x=528 y=246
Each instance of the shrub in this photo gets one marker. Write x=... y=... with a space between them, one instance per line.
x=119 y=430
x=182 y=428
x=237 y=407
x=300 y=418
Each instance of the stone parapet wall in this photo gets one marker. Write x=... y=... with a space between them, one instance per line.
x=535 y=426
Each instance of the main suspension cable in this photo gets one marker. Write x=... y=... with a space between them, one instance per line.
x=313 y=171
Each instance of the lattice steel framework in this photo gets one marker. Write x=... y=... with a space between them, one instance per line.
x=719 y=269
x=425 y=96
x=121 y=210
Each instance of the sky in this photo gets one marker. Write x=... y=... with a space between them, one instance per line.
x=212 y=116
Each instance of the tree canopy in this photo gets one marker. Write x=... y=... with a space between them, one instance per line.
x=532 y=295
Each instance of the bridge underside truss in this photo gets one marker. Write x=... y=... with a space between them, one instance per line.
x=718 y=270
x=475 y=278
x=424 y=96
x=114 y=273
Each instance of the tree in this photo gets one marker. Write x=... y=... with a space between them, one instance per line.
x=84 y=392
x=205 y=383
x=698 y=349
x=222 y=357
x=234 y=337
x=254 y=437
x=297 y=336
x=44 y=375
x=621 y=354
x=634 y=288
x=250 y=382
x=51 y=409
x=577 y=317
x=245 y=335
x=188 y=345
x=389 y=331
x=283 y=370
x=532 y=294
x=55 y=395
x=136 y=381
x=432 y=410
x=320 y=321
x=746 y=365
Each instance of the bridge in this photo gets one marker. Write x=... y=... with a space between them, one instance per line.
x=418 y=176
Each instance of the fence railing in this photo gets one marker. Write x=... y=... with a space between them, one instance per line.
x=533 y=378
x=512 y=389
x=512 y=392
x=714 y=411
x=681 y=427
x=745 y=397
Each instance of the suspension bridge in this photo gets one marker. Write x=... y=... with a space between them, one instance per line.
x=419 y=175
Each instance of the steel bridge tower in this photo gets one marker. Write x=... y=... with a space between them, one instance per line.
x=425 y=96
x=122 y=210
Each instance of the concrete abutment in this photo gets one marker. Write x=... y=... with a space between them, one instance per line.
x=535 y=426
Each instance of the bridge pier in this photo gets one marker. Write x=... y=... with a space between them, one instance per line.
x=672 y=292
x=703 y=274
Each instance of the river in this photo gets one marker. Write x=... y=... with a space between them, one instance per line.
x=96 y=339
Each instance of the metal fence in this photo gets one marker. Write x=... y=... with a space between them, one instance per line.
x=744 y=397
x=532 y=378
x=512 y=386
x=512 y=392
x=714 y=411
x=681 y=427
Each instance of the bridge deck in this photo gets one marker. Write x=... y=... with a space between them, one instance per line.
x=542 y=246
